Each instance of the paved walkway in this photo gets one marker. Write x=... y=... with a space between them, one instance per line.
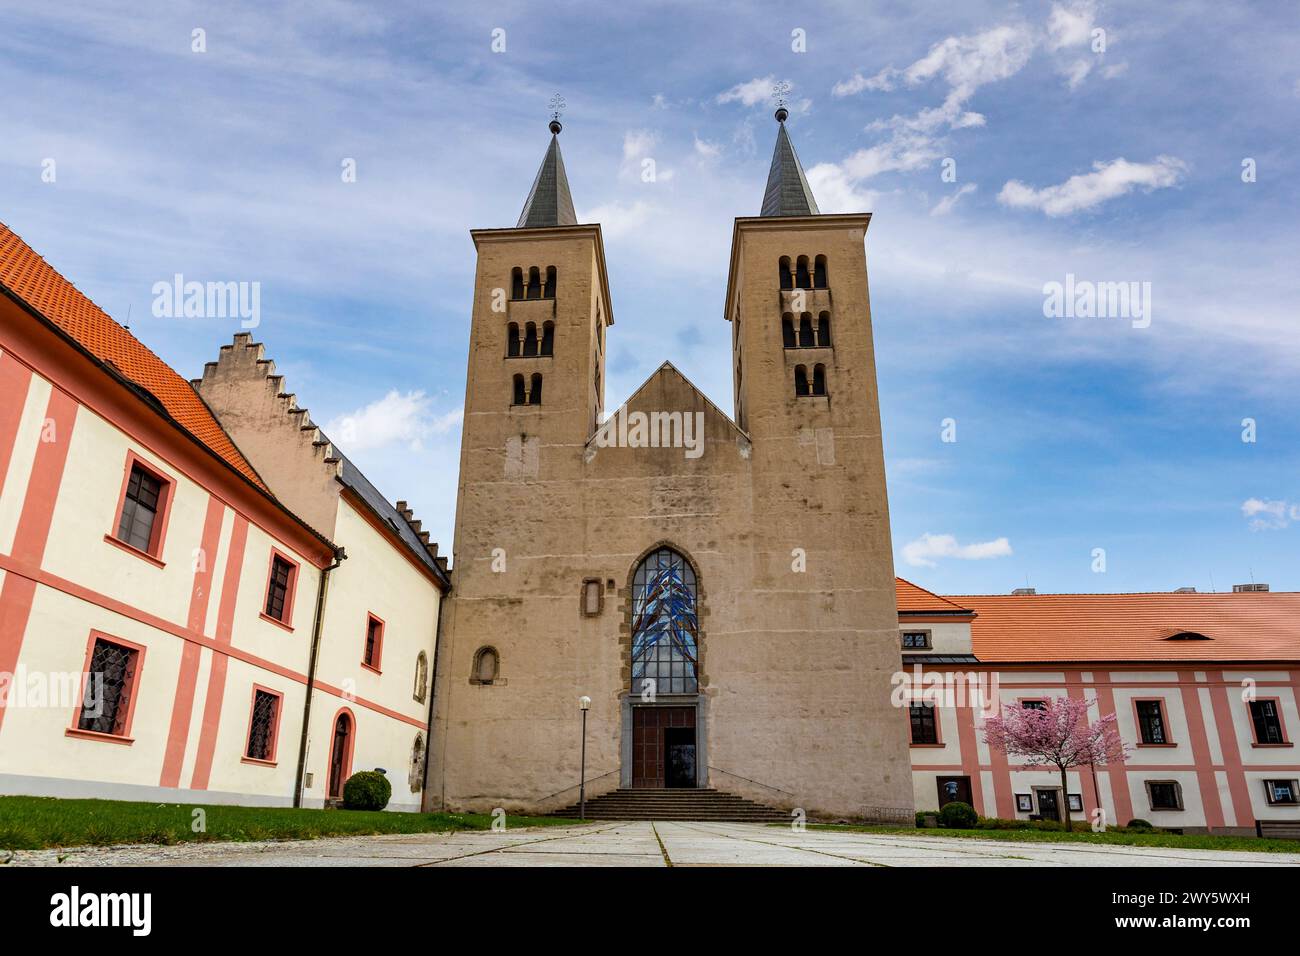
x=647 y=844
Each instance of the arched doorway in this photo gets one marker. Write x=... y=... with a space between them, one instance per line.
x=341 y=753
x=661 y=722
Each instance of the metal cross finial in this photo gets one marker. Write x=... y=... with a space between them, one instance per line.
x=556 y=107
x=780 y=91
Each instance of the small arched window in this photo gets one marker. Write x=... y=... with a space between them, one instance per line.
x=787 y=280
x=530 y=339
x=801 y=278
x=548 y=338
x=517 y=283
x=487 y=666
x=519 y=397
x=535 y=389
x=819 y=380
x=800 y=380
x=512 y=340
x=806 y=338
x=421 y=677
x=824 y=330
x=787 y=331
x=534 y=283
x=415 y=776
x=549 y=291
x=819 y=273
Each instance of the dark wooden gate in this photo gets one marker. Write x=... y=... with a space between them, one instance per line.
x=650 y=742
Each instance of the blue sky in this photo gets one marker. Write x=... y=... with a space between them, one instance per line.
x=1121 y=164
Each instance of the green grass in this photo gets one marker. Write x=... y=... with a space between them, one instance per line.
x=1156 y=838
x=33 y=823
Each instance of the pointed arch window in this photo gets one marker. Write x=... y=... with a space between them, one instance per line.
x=665 y=626
x=421 y=677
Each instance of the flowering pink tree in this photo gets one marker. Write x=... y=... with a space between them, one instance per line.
x=1059 y=735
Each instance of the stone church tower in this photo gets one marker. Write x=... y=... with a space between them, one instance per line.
x=722 y=591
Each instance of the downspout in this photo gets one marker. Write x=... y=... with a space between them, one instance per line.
x=433 y=689
x=340 y=555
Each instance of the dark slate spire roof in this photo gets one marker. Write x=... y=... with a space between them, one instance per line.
x=787 y=191
x=549 y=203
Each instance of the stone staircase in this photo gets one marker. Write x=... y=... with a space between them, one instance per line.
x=673 y=804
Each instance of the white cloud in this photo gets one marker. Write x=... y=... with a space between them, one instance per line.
x=1070 y=26
x=707 y=152
x=398 y=417
x=1265 y=514
x=1085 y=190
x=619 y=218
x=837 y=191
x=925 y=551
x=1076 y=72
x=752 y=93
x=944 y=205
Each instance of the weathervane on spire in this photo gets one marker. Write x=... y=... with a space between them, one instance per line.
x=556 y=107
x=779 y=93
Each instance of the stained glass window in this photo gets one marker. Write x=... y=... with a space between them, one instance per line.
x=664 y=624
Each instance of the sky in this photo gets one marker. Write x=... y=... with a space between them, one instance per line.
x=338 y=154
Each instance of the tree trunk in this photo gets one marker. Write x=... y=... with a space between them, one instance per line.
x=1065 y=802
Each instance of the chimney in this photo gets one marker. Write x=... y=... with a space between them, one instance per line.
x=1244 y=588
x=1023 y=591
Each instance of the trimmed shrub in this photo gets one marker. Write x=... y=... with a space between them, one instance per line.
x=367 y=790
x=1139 y=824
x=957 y=816
x=921 y=815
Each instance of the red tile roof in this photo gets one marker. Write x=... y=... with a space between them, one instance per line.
x=37 y=283
x=1254 y=626
x=913 y=598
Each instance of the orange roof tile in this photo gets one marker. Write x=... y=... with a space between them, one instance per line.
x=37 y=283
x=913 y=598
x=1135 y=627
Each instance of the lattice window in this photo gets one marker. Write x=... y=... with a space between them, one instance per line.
x=107 y=698
x=665 y=627
x=924 y=728
x=261 y=728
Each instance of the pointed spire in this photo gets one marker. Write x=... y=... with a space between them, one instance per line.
x=788 y=193
x=549 y=202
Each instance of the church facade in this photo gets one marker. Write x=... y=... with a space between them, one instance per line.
x=720 y=588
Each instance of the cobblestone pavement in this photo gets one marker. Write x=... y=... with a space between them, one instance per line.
x=648 y=844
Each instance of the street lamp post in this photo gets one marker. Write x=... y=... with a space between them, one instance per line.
x=584 y=702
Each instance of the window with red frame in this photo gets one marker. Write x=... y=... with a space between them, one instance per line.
x=106 y=701
x=924 y=728
x=1151 y=722
x=1267 y=721
x=277 y=591
x=261 y=727
x=374 y=642
x=145 y=497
